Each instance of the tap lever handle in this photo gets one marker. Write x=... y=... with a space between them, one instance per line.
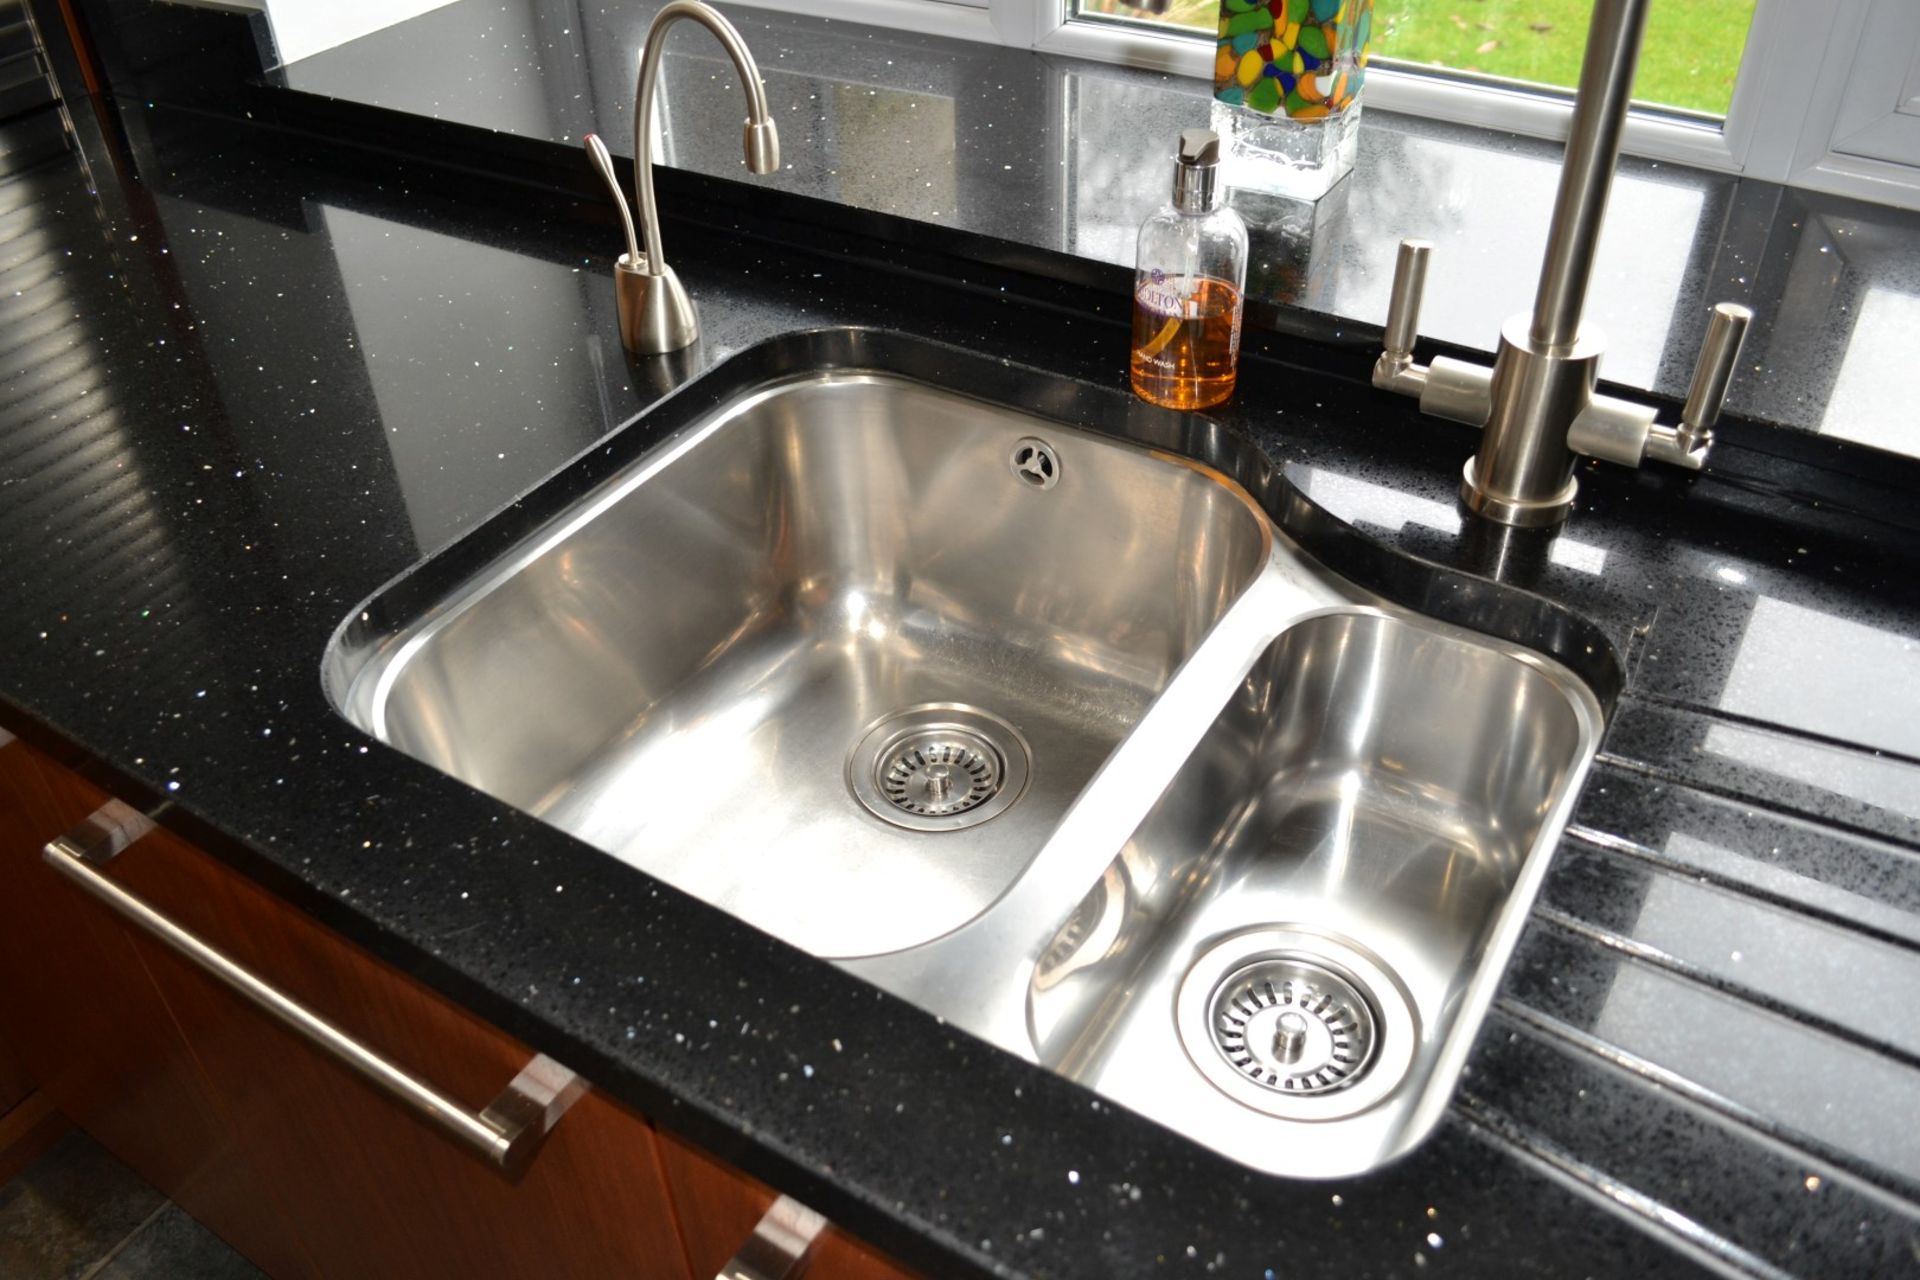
x=603 y=165
x=1403 y=305
x=1726 y=330
x=1688 y=444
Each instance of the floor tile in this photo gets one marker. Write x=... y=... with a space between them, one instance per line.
x=68 y=1210
x=173 y=1246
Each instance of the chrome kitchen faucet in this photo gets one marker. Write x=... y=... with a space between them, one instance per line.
x=656 y=316
x=1538 y=404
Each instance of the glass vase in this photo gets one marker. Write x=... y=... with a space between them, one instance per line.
x=1286 y=92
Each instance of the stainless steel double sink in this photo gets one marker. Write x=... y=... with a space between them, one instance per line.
x=1053 y=734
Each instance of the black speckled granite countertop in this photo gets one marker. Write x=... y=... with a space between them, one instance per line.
x=252 y=378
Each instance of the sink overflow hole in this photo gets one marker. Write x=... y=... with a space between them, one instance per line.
x=1034 y=461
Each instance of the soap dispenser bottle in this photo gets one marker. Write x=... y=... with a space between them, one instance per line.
x=1192 y=269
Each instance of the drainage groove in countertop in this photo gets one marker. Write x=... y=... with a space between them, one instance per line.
x=1595 y=1061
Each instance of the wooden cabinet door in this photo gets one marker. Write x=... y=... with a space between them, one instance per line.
x=29 y=1123
x=82 y=1016
x=15 y=1084
x=295 y=1161
x=719 y=1207
x=374 y=1191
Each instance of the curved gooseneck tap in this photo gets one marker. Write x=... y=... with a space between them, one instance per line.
x=762 y=141
x=656 y=316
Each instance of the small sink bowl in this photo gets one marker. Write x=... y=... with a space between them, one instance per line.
x=1320 y=904
x=836 y=657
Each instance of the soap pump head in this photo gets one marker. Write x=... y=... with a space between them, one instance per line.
x=1196 y=186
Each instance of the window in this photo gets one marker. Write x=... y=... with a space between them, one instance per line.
x=1754 y=87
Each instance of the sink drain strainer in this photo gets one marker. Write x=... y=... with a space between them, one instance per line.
x=940 y=766
x=940 y=771
x=1292 y=1025
x=1296 y=1023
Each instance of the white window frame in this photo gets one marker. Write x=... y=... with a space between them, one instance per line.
x=1780 y=125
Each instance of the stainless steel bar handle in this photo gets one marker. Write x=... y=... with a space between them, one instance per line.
x=1395 y=370
x=507 y=1133
x=780 y=1245
x=1403 y=304
x=1726 y=331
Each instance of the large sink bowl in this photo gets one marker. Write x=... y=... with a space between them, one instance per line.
x=1051 y=733
x=843 y=585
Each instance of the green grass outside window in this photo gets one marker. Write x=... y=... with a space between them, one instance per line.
x=1690 y=59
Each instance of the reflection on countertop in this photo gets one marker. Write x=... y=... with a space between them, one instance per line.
x=1059 y=155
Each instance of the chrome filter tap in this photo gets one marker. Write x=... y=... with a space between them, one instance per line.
x=656 y=315
x=1537 y=403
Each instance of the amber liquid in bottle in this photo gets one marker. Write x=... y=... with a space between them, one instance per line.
x=1186 y=345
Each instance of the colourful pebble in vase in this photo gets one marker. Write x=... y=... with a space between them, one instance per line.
x=1304 y=57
